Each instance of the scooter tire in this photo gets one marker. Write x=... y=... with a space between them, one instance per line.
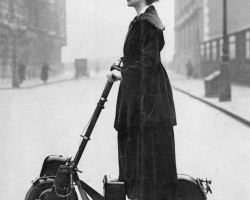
x=189 y=189
x=42 y=186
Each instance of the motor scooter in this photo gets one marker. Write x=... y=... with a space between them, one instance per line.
x=59 y=174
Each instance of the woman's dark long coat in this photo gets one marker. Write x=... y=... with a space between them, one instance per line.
x=145 y=96
x=145 y=114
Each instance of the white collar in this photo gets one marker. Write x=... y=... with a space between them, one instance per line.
x=143 y=10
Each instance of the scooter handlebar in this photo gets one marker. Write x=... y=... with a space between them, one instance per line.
x=116 y=67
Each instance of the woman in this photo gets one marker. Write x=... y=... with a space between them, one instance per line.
x=145 y=113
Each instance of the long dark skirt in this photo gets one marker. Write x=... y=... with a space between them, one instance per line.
x=147 y=163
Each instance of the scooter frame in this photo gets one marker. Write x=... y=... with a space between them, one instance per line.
x=82 y=186
x=84 y=189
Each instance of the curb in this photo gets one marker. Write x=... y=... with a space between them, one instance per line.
x=234 y=116
x=49 y=83
x=39 y=84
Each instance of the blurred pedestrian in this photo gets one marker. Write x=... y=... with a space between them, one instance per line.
x=21 y=72
x=189 y=68
x=45 y=72
x=145 y=112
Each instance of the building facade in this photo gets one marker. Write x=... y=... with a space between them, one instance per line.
x=188 y=34
x=209 y=44
x=238 y=16
x=32 y=32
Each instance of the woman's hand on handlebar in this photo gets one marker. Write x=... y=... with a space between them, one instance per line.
x=114 y=75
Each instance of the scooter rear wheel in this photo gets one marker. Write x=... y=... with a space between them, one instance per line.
x=189 y=189
x=42 y=190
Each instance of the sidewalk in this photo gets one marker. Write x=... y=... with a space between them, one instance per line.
x=237 y=108
x=32 y=83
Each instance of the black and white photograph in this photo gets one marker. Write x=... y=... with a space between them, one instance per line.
x=125 y=99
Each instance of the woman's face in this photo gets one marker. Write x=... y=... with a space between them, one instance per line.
x=134 y=3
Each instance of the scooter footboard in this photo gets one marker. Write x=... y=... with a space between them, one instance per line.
x=114 y=190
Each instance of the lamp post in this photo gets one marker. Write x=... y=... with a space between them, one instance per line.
x=225 y=85
x=13 y=27
x=15 y=75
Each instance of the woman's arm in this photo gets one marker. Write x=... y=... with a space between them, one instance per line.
x=144 y=68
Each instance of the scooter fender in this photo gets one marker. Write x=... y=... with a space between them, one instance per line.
x=51 y=164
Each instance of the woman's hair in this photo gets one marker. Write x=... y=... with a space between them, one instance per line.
x=149 y=2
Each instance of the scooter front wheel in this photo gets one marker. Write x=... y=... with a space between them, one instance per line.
x=42 y=189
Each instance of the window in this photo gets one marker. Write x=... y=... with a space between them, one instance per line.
x=19 y=11
x=214 y=50
x=248 y=44
x=4 y=11
x=232 y=48
x=208 y=51
x=1 y=47
x=202 y=52
x=221 y=48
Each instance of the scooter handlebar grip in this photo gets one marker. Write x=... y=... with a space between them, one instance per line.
x=115 y=67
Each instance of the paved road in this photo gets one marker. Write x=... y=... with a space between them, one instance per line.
x=48 y=120
x=213 y=145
